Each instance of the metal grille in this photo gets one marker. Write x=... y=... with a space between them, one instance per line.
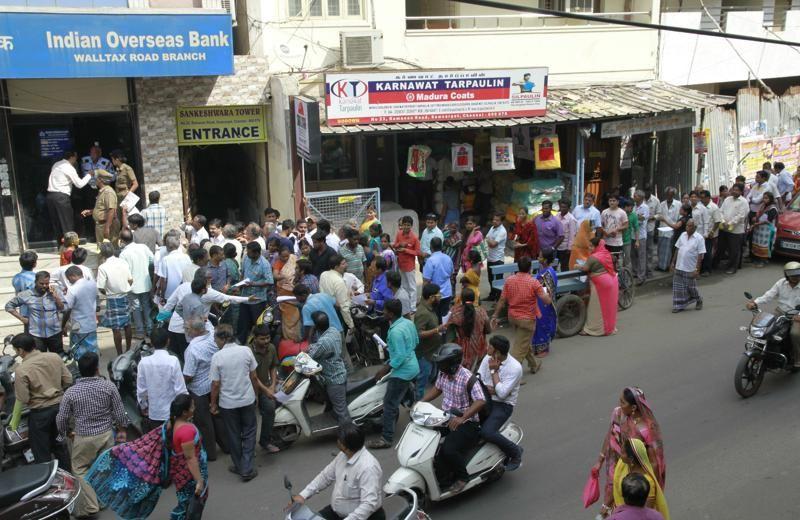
x=339 y=207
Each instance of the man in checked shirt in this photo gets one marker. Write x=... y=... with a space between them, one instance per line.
x=96 y=408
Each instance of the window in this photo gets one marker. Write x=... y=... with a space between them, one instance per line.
x=338 y=162
x=326 y=8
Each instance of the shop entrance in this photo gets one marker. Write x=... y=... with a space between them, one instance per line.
x=34 y=157
x=225 y=181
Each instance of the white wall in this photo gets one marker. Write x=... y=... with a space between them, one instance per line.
x=688 y=59
x=574 y=53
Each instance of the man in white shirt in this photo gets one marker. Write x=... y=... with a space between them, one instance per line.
x=79 y=257
x=496 y=240
x=758 y=189
x=785 y=181
x=332 y=239
x=587 y=211
x=158 y=382
x=711 y=237
x=668 y=213
x=700 y=215
x=641 y=254
x=114 y=280
x=233 y=395
x=140 y=260
x=786 y=293
x=80 y=313
x=331 y=282
x=63 y=177
x=570 y=226
x=501 y=374
x=356 y=476
x=170 y=268
x=686 y=263
x=196 y=229
x=215 y=232
x=734 y=210
x=652 y=207
x=615 y=221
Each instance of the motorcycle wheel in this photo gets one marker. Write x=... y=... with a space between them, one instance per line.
x=748 y=376
x=284 y=436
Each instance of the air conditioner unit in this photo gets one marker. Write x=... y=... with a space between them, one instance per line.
x=228 y=5
x=361 y=49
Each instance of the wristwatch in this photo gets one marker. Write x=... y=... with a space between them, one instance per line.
x=493 y=372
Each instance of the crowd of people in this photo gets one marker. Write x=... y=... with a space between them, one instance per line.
x=220 y=378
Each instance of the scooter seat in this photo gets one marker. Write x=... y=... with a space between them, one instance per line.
x=396 y=507
x=17 y=482
x=357 y=387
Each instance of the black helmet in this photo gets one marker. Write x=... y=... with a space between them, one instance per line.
x=448 y=358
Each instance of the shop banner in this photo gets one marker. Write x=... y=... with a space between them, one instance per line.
x=306 y=129
x=523 y=148
x=81 y=45
x=461 y=154
x=755 y=152
x=417 y=160
x=547 y=154
x=502 y=154
x=444 y=95
x=700 y=140
x=221 y=125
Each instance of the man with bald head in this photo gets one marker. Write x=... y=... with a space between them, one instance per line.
x=686 y=264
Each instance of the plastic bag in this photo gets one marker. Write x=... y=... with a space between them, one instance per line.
x=591 y=491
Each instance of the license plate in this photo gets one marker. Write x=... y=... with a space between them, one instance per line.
x=28 y=456
x=790 y=245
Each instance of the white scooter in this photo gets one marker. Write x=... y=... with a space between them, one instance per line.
x=419 y=445
x=400 y=506
x=365 y=404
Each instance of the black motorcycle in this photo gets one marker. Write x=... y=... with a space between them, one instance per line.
x=768 y=348
x=37 y=492
x=122 y=371
x=364 y=350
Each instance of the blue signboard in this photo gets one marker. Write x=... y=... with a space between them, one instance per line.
x=53 y=142
x=67 y=45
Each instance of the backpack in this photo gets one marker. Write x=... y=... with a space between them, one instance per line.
x=484 y=412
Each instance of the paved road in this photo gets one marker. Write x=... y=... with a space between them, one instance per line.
x=726 y=458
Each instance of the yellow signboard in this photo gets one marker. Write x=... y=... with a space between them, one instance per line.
x=221 y=125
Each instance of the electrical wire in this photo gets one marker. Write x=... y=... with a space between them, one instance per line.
x=629 y=23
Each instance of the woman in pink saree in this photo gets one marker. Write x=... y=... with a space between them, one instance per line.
x=474 y=240
x=633 y=419
x=601 y=316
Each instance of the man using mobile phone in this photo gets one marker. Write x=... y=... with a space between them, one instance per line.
x=43 y=304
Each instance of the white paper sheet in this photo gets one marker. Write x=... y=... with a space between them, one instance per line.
x=129 y=201
x=241 y=284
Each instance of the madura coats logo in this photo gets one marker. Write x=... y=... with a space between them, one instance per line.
x=345 y=88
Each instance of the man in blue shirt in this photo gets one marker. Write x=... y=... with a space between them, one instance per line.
x=526 y=85
x=25 y=279
x=319 y=302
x=381 y=292
x=257 y=270
x=588 y=212
x=438 y=270
x=401 y=341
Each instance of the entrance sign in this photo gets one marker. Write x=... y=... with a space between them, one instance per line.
x=645 y=125
x=221 y=125
x=79 y=45
x=53 y=142
x=444 y=95
x=306 y=129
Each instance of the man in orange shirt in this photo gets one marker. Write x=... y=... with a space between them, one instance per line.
x=521 y=291
x=406 y=246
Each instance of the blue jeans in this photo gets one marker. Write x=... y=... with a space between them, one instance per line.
x=140 y=306
x=396 y=390
x=426 y=370
x=490 y=430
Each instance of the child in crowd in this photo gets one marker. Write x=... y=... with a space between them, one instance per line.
x=70 y=242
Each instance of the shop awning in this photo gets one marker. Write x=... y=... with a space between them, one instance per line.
x=565 y=104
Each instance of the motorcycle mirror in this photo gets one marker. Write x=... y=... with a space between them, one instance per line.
x=287 y=483
x=797 y=307
x=748 y=295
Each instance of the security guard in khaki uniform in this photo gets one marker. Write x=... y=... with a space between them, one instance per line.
x=106 y=222
x=126 y=178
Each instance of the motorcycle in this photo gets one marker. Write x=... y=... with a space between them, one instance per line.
x=292 y=418
x=417 y=449
x=399 y=506
x=14 y=445
x=364 y=349
x=37 y=491
x=768 y=348
x=122 y=372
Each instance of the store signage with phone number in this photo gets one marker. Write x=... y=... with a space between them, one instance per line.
x=80 y=45
x=443 y=95
x=221 y=125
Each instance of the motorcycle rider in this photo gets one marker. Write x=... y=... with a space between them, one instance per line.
x=786 y=293
x=465 y=430
x=356 y=476
x=502 y=375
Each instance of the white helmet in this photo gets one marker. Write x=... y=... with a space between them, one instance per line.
x=791 y=269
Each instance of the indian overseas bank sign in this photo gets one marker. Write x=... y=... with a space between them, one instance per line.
x=434 y=95
x=79 y=45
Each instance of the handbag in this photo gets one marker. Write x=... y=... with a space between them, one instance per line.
x=591 y=491
x=194 y=510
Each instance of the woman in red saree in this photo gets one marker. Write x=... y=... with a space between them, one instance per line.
x=601 y=316
x=633 y=419
x=468 y=326
x=526 y=236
